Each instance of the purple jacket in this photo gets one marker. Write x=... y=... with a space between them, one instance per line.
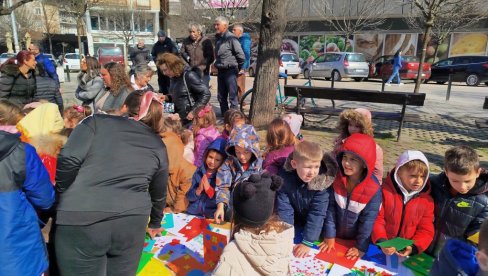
x=204 y=137
x=276 y=159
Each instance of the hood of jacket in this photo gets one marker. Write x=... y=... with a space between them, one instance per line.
x=364 y=147
x=44 y=119
x=481 y=185
x=327 y=173
x=8 y=141
x=266 y=252
x=209 y=132
x=404 y=158
x=246 y=137
x=217 y=145
x=10 y=69
x=456 y=258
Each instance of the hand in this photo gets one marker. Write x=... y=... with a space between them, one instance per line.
x=154 y=232
x=189 y=116
x=353 y=253
x=60 y=91
x=405 y=252
x=219 y=214
x=300 y=250
x=168 y=210
x=205 y=183
x=388 y=250
x=241 y=72
x=162 y=98
x=327 y=245
x=200 y=188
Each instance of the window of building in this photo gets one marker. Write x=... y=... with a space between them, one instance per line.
x=95 y=22
x=38 y=11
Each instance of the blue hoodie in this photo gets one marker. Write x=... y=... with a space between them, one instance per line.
x=455 y=258
x=246 y=44
x=203 y=205
x=232 y=171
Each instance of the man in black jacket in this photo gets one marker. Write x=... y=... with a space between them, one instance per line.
x=139 y=54
x=229 y=59
x=164 y=45
x=198 y=51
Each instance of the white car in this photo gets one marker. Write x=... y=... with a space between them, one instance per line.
x=72 y=60
x=5 y=56
x=289 y=63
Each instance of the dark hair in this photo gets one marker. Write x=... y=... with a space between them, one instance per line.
x=118 y=76
x=279 y=135
x=154 y=117
x=173 y=62
x=461 y=160
x=92 y=68
x=397 y=53
x=231 y=115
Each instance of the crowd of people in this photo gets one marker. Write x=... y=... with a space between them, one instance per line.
x=106 y=171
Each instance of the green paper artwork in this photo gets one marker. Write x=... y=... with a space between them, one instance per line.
x=398 y=243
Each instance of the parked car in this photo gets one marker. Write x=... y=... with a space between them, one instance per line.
x=110 y=54
x=338 y=65
x=469 y=69
x=289 y=63
x=72 y=60
x=5 y=56
x=382 y=68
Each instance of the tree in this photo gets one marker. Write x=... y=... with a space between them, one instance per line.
x=50 y=24
x=431 y=14
x=273 y=23
x=4 y=10
x=25 y=20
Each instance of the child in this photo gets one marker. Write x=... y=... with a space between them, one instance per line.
x=25 y=187
x=74 y=114
x=460 y=258
x=295 y=121
x=357 y=196
x=10 y=115
x=243 y=159
x=204 y=131
x=172 y=122
x=461 y=197
x=407 y=210
x=359 y=121
x=261 y=243
x=232 y=118
x=180 y=170
x=281 y=142
x=304 y=197
x=202 y=192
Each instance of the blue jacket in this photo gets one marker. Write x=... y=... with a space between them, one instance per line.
x=397 y=61
x=304 y=205
x=25 y=186
x=232 y=171
x=456 y=258
x=203 y=205
x=47 y=68
x=246 y=43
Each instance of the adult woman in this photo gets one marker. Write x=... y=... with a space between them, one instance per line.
x=187 y=90
x=118 y=84
x=397 y=65
x=18 y=83
x=111 y=174
x=90 y=84
x=141 y=77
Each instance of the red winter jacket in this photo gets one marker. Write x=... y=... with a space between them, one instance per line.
x=413 y=221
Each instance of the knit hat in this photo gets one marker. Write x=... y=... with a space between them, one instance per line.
x=161 y=33
x=254 y=198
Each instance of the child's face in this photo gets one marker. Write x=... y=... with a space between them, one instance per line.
x=352 y=165
x=306 y=169
x=242 y=154
x=412 y=179
x=462 y=183
x=353 y=127
x=482 y=257
x=214 y=160
x=68 y=123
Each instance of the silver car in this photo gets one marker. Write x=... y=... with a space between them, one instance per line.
x=338 y=65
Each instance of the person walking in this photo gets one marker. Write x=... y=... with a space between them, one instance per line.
x=163 y=45
x=246 y=42
x=397 y=65
x=198 y=51
x=229 y=59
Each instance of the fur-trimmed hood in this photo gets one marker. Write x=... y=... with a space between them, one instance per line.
x=327 y=173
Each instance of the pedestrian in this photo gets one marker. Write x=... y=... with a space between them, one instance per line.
x=187 y=90
x=44 y=65
x=397 y=65
x=139 y=54
x=17 y=81
x=163 y=45
x=229 y=59
x=111 y=177
x=90 y=83
x=245 y=40
x=118 y=87
x=198 y=51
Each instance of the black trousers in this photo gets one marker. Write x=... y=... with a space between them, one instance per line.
x=227 y=89
x=110 y=247
x=163 y=82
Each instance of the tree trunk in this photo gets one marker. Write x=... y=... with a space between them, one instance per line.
x=48 y=27
x=273 y=23
x=78 y=35
x=426 y=38
x=50 y=43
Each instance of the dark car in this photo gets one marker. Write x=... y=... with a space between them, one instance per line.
x=469 y=69
x=110 y=54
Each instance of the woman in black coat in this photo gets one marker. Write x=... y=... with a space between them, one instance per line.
x=17 y=81
x=187 y=90
x=111 y=176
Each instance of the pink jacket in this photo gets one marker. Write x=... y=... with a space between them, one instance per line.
x=275 y=159
x=204 y=137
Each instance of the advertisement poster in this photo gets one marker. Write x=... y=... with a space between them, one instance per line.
x=407 y=43
x=290 y=45
x=431 y=49
x=371 y=45
x=468 y=44
x=334 y=43
x=220 y=4
x=311 y=46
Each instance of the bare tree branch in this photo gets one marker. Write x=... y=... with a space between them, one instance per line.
x=7 y=11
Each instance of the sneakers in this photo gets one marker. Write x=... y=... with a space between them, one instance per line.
x=388 y=84
x=400 y=84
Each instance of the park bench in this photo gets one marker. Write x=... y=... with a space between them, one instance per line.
x=356 y=95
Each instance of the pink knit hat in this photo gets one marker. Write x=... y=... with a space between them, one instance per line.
x=365 y=112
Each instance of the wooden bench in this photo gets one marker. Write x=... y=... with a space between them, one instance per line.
x=355 y=95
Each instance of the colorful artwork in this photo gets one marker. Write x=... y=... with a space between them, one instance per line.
x=193 y=228
x=154 y=267
x=337 y=256
x=435 y=51
x=421 y=263
x=308 y=266
x=145 y=258
x=167 y=221
x=186 y=265
x=468 y=44
x=335 y=43
x=398 y=243
x=213 y=245
x=311 y=46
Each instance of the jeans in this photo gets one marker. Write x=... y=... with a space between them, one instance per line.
x=227 y=89
x=396 y=73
